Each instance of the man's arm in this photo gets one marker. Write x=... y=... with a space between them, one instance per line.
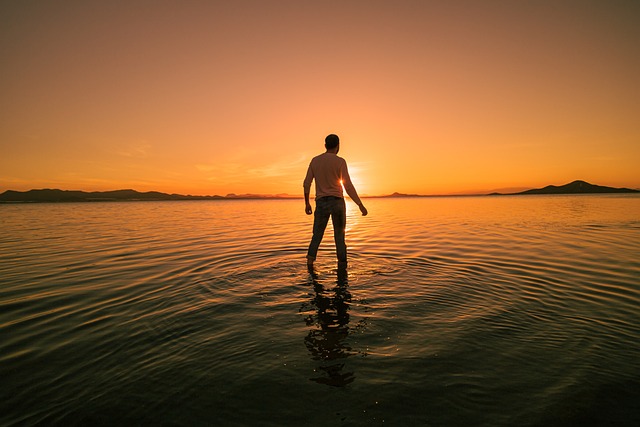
x=351 y=190
x=307 y=204
x=306 y=185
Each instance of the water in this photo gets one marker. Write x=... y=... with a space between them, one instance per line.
x=474 y=311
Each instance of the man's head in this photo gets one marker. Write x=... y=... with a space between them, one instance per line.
x=331 y=141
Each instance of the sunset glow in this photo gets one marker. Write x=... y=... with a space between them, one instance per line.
x=428 y=97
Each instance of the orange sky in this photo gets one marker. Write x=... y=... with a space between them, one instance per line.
x=430 y=97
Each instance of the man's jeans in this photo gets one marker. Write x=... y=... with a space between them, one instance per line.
x=335 y=208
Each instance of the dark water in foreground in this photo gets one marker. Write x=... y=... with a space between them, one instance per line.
x=479 y=311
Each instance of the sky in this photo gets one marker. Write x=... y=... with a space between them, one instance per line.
x=218 y=97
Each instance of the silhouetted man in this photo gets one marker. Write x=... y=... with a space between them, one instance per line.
x=330 y=173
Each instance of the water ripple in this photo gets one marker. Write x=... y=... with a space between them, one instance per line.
x=453 y=311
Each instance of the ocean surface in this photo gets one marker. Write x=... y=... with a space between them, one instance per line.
x=454 y=311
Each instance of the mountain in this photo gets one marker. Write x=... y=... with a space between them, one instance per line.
x=577 y=187
x=396 y=194
x=50 y=195
x=53 y=195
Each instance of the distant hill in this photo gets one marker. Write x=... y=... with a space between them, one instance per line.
x=396 y=194
x=53 y=195
x=575 y=187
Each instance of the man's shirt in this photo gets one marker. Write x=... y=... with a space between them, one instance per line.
x=331 y=173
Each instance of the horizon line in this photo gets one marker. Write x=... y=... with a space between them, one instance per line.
x=231 y=196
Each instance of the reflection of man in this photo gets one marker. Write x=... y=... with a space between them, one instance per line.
x=328 y=342
x=330 y=173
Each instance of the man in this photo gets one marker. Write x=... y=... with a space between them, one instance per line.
x=330 y=173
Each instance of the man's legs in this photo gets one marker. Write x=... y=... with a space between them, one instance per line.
x=320 y=220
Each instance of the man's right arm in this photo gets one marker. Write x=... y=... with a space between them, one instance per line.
x=351 y=189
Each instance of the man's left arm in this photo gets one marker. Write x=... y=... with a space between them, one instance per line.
x=307 y=189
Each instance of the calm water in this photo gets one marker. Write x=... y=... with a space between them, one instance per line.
x=478 y=311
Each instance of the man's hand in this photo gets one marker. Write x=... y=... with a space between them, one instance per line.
x=307 y=209
x=363 y=210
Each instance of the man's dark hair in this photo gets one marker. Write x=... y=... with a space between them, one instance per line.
x=331 y=141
